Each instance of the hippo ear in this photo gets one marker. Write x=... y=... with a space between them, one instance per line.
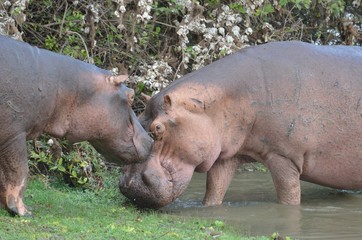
x=146 y=97
x=167 y=101
x=116 y=80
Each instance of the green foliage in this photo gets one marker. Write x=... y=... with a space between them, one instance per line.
x=263 y=12
x=78 y=164
x=336 y=7
x=237 y=7
x=212 y=3
x=51 y=43
x=299 y=4
x=276 y=236
x=219 y=224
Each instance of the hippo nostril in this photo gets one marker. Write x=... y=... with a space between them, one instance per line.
x=146 y=179
x=129 y=183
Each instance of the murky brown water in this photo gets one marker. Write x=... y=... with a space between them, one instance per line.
x=250 y=206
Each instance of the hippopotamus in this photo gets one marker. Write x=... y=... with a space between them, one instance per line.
x=294 y=107
x=42 y=91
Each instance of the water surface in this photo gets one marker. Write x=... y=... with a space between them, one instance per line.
x=250 y=207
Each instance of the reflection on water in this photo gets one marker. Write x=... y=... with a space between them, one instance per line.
x=250 y=206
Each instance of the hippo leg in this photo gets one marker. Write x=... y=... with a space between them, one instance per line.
x=286 y=178
x=13 y=175
x=218 y=180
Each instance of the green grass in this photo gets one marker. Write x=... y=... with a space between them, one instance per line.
x=61 y=212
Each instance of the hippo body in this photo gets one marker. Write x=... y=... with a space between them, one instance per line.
x=295 y=107
x=42 y=91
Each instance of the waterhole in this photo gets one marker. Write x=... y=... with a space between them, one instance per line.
x=250 y=208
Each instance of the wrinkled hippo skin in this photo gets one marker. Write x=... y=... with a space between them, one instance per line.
x=295 y=107
x=42 y=91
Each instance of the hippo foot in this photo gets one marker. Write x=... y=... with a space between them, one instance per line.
x=210 y=203
x=17 y=209
x=15 y=212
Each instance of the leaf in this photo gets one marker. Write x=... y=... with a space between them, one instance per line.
x=268 y=9
x=62 y=169
x=34 y=155
x=74 y=173
x=83 y=164
x=219 y=224
x=82 y=180
x=283 y=3
x=54 y=168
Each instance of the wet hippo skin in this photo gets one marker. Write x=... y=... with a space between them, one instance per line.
x=293 y=106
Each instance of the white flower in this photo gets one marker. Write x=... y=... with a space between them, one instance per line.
x=225 y=8
x=196 y=48
x=239 y=19
x=268 y=26
x=244 y=38
x=115 y=70
x=222 y=31
x=50 y=142
x=236 y=30
x=230 y=20
x=207 y=36
x=122 y=9
x=356 y=3
x=183 y=31
x=229 y=39
x=248 y=31
x=86 y=30
x=7 y=4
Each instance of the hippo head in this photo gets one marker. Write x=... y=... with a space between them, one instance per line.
x=105 y=118
x=185 y=140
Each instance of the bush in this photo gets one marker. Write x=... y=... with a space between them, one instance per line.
x=159 y=41
x=78 y=164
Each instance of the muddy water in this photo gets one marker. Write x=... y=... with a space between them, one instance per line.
x=250 y=207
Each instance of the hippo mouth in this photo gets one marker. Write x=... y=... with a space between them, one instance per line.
x=177 y=186
x=148 y=188
x=170 y=174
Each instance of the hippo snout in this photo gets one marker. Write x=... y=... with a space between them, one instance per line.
x=146 y=189
x=141 y=140
x=143 y=148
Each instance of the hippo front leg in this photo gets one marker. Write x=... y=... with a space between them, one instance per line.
x=286 y=178
x=13 y=175
x=218 y=180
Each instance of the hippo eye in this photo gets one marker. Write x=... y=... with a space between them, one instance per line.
x=157 y=131
x=131 y=97
x=159 y=128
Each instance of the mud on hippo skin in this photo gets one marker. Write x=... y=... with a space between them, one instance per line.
x=295 y=107
x=42 y=91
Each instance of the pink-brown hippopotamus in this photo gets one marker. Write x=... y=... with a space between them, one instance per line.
x=293 y=106
x=42 y=91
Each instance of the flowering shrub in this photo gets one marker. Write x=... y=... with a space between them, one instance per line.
x=158 y=41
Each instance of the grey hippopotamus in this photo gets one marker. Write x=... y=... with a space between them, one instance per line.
x=42 y=91
x=293 y=106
